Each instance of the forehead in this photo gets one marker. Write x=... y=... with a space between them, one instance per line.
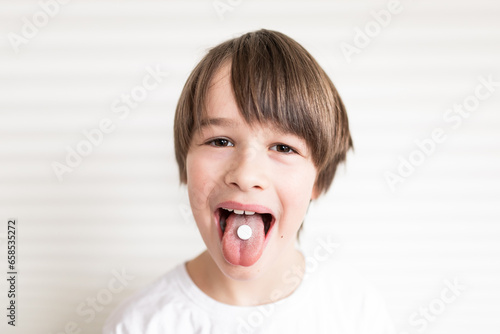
x=220 y=100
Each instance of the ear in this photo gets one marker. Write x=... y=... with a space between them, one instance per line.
x=315 y=192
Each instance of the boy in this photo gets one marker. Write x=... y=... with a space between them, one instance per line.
x=259 y=131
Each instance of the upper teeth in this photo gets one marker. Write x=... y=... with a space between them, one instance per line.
x=240 y=212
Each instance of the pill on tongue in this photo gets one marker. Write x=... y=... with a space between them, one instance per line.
x=244 y=232
x=238 y=251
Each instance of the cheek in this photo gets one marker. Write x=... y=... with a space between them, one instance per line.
x=195 y=184
x=200 y=182
x=299 y=183
x=296 y=193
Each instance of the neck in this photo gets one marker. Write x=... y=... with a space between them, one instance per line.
x=276 y=283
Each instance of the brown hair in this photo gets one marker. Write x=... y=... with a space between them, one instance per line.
x=274 y=80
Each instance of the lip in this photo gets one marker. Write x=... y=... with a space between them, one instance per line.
x=257 y=208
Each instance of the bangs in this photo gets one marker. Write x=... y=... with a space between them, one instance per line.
x=278 y=83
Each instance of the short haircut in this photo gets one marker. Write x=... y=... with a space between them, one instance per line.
x=274 y=80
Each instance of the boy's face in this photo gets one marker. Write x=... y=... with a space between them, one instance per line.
x=258 y=168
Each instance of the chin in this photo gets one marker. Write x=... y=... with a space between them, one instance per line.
x=241 y=273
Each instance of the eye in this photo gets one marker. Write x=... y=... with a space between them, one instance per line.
x=282 y=148
x=220 y=142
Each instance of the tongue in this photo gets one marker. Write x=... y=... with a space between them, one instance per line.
x=243 y=252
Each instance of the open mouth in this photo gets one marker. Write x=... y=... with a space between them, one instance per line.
x=223 y=213
x=239 y=248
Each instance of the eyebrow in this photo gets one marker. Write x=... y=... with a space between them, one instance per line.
x=225 y=122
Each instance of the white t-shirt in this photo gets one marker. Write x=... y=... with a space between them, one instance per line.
x=330 y=299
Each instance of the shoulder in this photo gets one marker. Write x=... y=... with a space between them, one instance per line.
x=162 y=298
x=349 y=295
x=343 y=280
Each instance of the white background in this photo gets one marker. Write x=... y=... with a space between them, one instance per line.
x=122 y=207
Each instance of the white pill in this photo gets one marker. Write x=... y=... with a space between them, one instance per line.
x=244 y=232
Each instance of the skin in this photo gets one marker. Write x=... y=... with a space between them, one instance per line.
x=231 y=160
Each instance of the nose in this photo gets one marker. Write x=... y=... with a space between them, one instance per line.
x=247 y=170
